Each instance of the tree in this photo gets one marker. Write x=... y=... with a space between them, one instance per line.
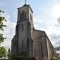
x=1 y=38
x=2 y=49
x=1 y=21
x=2 y=52
x=2 y=26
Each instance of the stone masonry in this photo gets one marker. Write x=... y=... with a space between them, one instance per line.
x=29 y=40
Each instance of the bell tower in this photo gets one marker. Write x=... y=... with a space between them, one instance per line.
x=24 y=29
x=27 y=41
x=22 y=43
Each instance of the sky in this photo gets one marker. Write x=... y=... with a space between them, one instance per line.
x=45 y=15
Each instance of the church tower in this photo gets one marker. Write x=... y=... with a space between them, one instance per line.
x=23 y=39
x=25 y=28
x=29 y=42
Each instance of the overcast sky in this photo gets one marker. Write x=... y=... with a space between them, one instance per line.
x=46 y=13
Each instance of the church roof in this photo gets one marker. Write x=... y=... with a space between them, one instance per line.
x=43 y=33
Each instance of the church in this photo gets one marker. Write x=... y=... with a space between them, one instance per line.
x=27 y=41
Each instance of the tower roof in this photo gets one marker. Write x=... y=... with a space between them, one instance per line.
x=26 y=5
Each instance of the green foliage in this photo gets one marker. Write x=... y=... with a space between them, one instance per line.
x=55 y=59
x=1 y=38
x=58 y=58
x=1 y=21
x=1 y=11
x=2 y=52
x=2 y=49
x=2 y=26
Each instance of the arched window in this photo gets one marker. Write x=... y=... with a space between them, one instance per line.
x=22 y=16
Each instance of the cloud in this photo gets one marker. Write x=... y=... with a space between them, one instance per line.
x=53 y=27
x=49 y=23
x=56 y=11
x=8 y=31
x=53 y=32
x=36 y=22
x=58 y=52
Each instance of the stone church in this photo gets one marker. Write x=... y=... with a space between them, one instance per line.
x=27 y=41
